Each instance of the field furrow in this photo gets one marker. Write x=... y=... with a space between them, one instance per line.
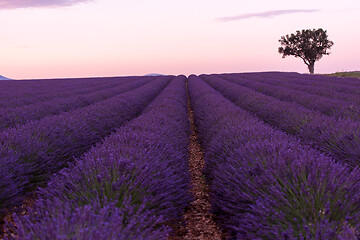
x=20 y=115
x=131 y=186
x=339 y=138
x=266 y=184
x=31 y=153
x=20 y=93
x=325 y=105
x=266 y=155
x=277 y=79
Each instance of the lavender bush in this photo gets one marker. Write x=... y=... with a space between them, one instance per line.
x=117 y=169
x=24 y=92
x=90 y=222
x=329 y=89
x=10 y=117
x=337 y=83
x=265 y=184
x=325 y=105
x=136 y=181
x=338 y=137
x=40 y=148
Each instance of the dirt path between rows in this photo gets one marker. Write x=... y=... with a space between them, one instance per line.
x=199 y=221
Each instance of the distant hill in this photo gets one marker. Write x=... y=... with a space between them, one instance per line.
x=154 y=74
x=4 y=78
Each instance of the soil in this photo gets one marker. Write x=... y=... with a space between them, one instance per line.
x=198 y=221
x=21 y=210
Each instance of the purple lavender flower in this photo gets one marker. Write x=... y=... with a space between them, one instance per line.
x=128 y=187
x=266 y=184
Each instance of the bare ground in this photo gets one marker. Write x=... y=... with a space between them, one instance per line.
x=21 y=210
x=198 y=220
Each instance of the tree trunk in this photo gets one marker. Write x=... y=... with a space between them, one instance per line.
x=311 y=67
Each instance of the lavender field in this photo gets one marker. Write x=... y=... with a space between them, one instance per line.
x=111 y=158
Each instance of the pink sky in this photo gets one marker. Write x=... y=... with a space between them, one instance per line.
x=69 y=38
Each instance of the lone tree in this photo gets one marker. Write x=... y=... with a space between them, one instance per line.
x=309 y=45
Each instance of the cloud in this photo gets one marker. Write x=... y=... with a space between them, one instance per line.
x=12 y=4
x=266 y=14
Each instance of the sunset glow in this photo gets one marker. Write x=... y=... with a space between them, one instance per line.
x=62 y=38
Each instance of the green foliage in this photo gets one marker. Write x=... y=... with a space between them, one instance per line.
x=346 y=74
x=309 y=45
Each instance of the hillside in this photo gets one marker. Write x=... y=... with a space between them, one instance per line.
x=4 y=78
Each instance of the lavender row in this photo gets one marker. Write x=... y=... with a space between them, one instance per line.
x=264 y=183
x=18 y=93
x=346 y=83
x=31 y=153
x=325 y=105
x=338 y=137
x=19 y=88
x=279 y=79
x=128 y=187
x=341 y=85
x=338 y=85
x=23 y=114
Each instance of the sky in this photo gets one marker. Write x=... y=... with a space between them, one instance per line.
x=99 y=38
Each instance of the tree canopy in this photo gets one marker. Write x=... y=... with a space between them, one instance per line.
x=309 y=45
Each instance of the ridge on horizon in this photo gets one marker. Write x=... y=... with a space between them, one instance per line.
x=4 y=78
